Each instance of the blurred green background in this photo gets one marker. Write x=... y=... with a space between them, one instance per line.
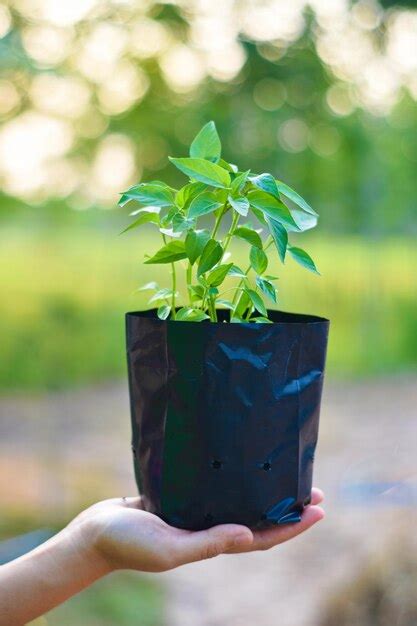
x=94 y=96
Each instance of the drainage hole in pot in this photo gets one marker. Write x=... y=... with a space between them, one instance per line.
x=267 y=466
x=208 y=518
x=216 y=464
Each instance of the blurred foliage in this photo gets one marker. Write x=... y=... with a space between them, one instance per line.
x=124 y=599
x=95 y=96
x=69 y=287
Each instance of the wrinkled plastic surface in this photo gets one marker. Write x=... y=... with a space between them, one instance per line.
x=225 y=416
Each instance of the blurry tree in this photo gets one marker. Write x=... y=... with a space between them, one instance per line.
x=95 y=95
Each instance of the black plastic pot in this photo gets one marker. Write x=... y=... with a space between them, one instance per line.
x=225 y=416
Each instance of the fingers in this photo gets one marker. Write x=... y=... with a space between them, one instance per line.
x=270 y=537
x=206 y=544
x=317 y=496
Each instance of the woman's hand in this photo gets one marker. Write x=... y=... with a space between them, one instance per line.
x=123 y=536
x=118 y=534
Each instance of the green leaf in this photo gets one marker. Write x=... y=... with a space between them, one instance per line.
x=230 y=167
x=144 y=217
x=279 y=235
x=212 y=253
x=271 y=207
x=304 y=221
x=206 y=144
x=188 y=314
x=261 y=320
x=162 y=294
x=240 y=204
x=225 y=303
x=149 y=286
x=249 y=235
x=203 y=171
x=236 y=271
x=157 y=194
x=184 y=195
x=258 y=260
x=259 y=215
x=292 y=195
x=303 y=258
x=180 y=223
x=173 y=251
x=257 y=302
x=239 y=182
x=242 y=305
x=163 y=311
x=206 y=202
x=166 y=220
x=198 y=291
x=194 y=243
x=267 y=183
x=267 y=287
x=217 y=276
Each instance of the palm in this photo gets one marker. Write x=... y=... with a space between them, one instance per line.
x=126 y=536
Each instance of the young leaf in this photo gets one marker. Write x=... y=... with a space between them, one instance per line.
x=304 y=221
x=198 y=291
x=206 y=202
x=225 y=303
x=217 y=276
x=163 y=311
x=230 y=167
x=157 y=194
x=236 y=271
x=261 y=320
x=239 y=182
x=292 y=195
x=145 y=216
x=271 y=207
x=303 y=258
x=258 y=260
x=212 y=253
x=203 y=171
x=267 y=183
x=206 y=144
x=180 y=223
x=162 y=294
x=194 y=243
x=240 y=204
x=149 y=286
x=242 y=305
x=257 y=302
x=266 y=287
x=188 y=314
x=171 y=252
x=184 y=195
x=279 y=235
x=249 y=235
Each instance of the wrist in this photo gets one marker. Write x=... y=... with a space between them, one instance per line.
x=83 y=543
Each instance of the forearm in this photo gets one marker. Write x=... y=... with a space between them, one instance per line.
x=40 y=580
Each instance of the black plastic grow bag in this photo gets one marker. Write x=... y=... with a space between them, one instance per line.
x=225 y=416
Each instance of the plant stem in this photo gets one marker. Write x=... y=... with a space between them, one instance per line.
x=174 y=283
x=189 y=279
x=268 y=242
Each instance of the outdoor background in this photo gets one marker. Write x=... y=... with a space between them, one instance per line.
x=94 y=96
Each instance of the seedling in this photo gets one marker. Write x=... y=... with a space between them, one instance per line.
x=257 y=211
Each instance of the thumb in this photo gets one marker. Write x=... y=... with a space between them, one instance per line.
x=206 y=544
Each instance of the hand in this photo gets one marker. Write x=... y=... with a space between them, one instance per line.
x=121 y=535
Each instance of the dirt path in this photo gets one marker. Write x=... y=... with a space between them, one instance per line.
x=366 y=463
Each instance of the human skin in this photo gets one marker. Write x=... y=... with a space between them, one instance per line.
x=118 y=534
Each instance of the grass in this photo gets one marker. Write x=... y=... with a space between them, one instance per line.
x=123 y=599
x=64 y=293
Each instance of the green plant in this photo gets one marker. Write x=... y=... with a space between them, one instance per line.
x=219 y=189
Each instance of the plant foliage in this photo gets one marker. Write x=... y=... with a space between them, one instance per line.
x=260 y=211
